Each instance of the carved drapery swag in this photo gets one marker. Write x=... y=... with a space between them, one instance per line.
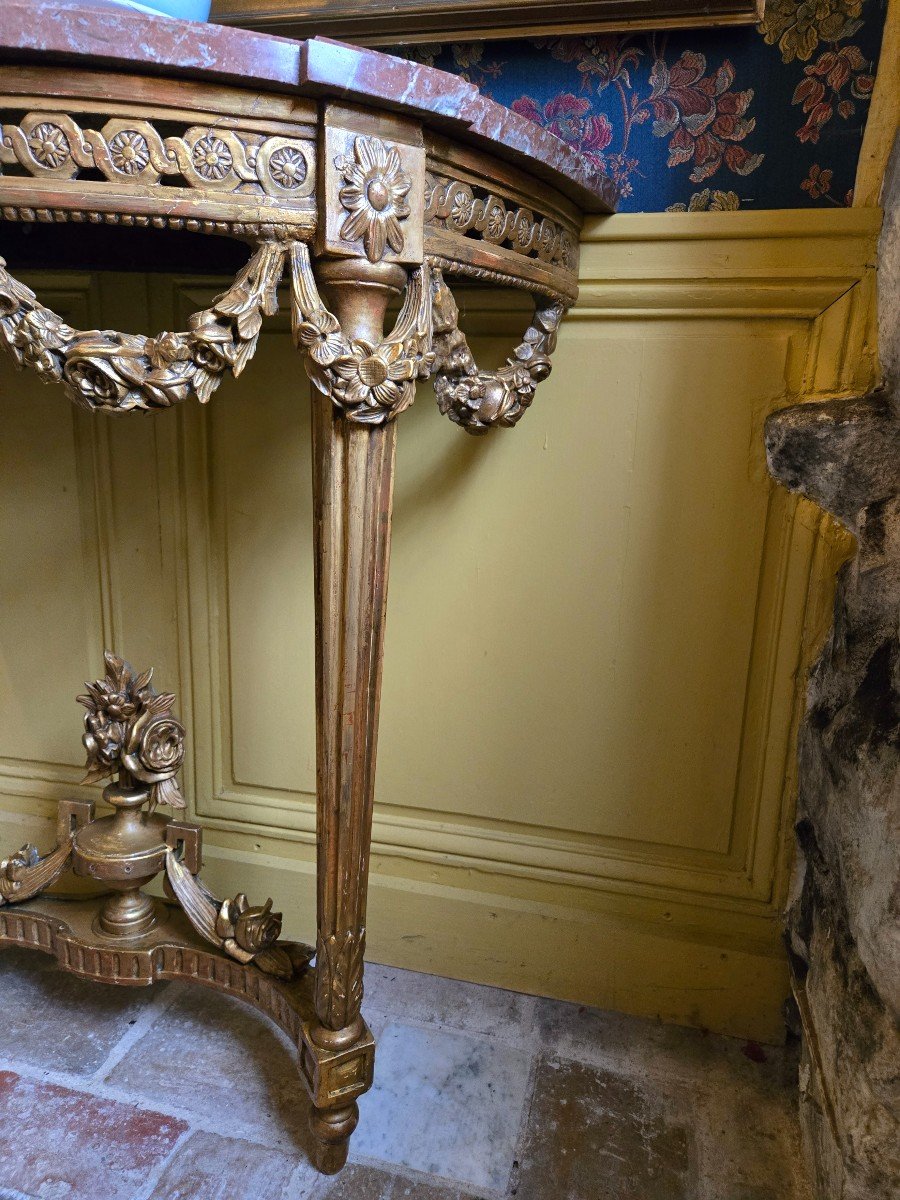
x=369 y=383
x=479 y=400
x=121 y=372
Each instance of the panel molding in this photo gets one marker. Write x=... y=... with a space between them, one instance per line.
x=698 y=273
x=785 y=266
x=75 y=297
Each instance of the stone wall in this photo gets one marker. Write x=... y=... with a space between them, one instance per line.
x=842 y=924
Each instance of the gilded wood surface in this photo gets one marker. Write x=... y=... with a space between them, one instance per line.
x=354 y=186
x=404 y=21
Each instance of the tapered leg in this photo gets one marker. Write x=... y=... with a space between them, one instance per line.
x=353 y=471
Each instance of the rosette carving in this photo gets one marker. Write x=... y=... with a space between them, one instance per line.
x=375 y=195
x=369 y=383
x=129 y=728
x=120 y=372
x=478 y=400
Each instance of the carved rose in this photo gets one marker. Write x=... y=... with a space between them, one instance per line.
x=130 y=728
x=251 y=928
x=154 y=752
x=212 y=343
x=94 y=385
x=374 y=193
x=159 y=752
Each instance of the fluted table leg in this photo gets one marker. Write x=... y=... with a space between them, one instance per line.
x=353 y=471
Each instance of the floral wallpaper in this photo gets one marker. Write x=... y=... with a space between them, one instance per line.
x=764 y=117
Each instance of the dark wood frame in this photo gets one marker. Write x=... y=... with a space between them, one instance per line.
x=406 y=22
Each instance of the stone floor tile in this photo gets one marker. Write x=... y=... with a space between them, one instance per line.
x=749 y=1143
x=226 y=1066
x=452 y=1003
x=209 y=1167
x=53 y=1020
x=640 y=1047
x=357 y=1182
x=592 y=1133
x=447 y=1104
x=67 y=1145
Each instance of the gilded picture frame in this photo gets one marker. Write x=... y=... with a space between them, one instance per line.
x=407 y=22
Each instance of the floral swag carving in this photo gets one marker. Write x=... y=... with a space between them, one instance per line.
x=478 y=400
x=370 y=384
x=102 y=370
x=121 y=372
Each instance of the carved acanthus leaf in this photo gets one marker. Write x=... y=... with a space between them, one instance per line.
x=478 y=400
x=369 y=383
x=339 y=977
x=120 y=372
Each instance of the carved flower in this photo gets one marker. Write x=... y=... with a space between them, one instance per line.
x=375 y=191
x=496 y=220
x=320 y=336
x=167 y=348
x=14 y=867
x=288 y=167
x=39 y=338
x=212 y=342
x=462 y=208
x=129 y=151
x=252 y=928
x=103 y=740
x=49 y=145
x=95 y=384
x=211 y=157
x=376 y=378
x=155 y=748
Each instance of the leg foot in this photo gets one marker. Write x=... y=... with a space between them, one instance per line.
x=331 y=1128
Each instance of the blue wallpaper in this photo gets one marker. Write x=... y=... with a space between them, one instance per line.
x=765 y=117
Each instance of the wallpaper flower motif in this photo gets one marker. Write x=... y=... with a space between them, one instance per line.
x=765 y=117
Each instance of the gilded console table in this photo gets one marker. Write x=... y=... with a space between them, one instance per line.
x=360 y=178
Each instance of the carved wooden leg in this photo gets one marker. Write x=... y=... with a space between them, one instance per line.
x=352 y=481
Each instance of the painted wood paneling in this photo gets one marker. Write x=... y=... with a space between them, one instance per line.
x=596 y=621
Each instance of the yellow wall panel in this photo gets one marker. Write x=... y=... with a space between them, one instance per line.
x=596 y=621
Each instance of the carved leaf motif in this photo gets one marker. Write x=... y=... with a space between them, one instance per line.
x=118 y=372
x=370 y=384
x=339 y=977
x=479 y=400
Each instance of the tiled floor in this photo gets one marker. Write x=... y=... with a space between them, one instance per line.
x=181 y=1094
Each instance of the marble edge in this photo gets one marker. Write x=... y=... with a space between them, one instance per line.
x=123 y=39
